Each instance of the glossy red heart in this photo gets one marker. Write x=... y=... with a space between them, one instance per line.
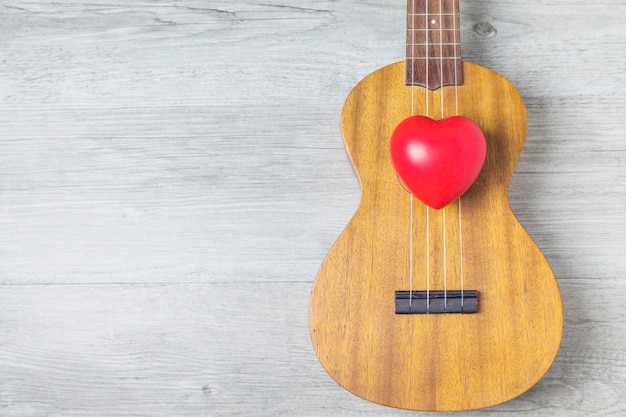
x=437 y=161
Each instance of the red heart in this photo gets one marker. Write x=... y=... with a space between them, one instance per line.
x=437 y=160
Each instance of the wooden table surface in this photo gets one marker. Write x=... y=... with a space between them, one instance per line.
x=172 y=174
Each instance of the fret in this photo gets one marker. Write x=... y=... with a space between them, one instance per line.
x=432 y=21
x=433 y=43
x=423 y=58
x=434 y=51
x=432 y=37
x=451 y=68
x=419 y=6
x=430 y=44
x=433 y=14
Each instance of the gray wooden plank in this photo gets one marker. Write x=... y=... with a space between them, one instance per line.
x=172 y=174
x=111 y=156
x=162 y=210
x=228 y=349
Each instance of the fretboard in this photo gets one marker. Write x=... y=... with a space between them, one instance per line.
x=433 y=43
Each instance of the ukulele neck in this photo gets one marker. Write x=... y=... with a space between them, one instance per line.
x=433 y=49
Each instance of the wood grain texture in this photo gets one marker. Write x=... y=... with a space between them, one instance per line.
x=434 y=362
x=142 y=275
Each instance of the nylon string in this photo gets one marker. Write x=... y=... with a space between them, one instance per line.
x=456 y=101
x=427 y=57
x=427 y=113
x=445 y=257
x=412 y=42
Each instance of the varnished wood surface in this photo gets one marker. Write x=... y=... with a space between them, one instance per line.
x=172 y=175
x=434 y=362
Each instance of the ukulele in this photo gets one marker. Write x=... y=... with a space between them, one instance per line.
x=434 y=309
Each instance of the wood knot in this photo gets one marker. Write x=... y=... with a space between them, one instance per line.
x=485 y=29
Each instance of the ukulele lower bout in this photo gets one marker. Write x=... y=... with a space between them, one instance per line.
x=365 y=336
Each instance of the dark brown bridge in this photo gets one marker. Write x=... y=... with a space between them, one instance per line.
x=436 y=302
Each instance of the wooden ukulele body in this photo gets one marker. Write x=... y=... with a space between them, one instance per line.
x=435 y=362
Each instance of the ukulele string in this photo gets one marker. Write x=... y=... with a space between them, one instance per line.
x=427 y=259
x=427 y=59
x=412 y=43
x=445 y=257
x=445 y=263
x=426 y=55
x=461 y=254
x=441 y=55
x=411 y=255
x=456 y=101
x=456 y=73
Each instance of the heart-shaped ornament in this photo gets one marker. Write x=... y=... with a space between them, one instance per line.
x=437 y=161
